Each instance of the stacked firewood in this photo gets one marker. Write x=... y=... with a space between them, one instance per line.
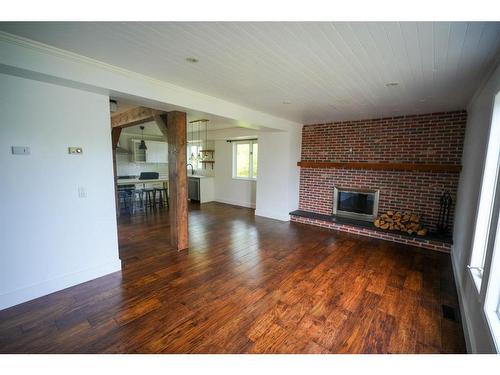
x=400 y=221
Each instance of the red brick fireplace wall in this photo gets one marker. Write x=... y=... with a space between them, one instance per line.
x=431 y=138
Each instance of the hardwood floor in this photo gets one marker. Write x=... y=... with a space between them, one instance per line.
x=247 y=285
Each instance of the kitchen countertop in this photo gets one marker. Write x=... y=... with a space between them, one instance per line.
x=130 y=181
x=198 y=176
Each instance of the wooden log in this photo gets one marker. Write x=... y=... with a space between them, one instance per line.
x=422 y=232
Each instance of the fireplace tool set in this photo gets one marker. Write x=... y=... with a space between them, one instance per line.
x=445 y=203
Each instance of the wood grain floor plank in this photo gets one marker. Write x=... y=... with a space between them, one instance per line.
x=247 y=284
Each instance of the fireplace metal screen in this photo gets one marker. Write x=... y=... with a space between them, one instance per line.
x=355 y=203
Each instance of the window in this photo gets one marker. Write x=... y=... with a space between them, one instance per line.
x=485 y=212
x=193 y=152
x=492 y=301
x=245 y=160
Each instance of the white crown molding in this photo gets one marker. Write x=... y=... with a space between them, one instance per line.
x=34 y=60
x=50 y=50
x=484 y=81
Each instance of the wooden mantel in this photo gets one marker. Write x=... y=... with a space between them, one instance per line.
x=382 y=166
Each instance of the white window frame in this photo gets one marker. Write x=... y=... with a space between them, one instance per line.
x=492 y=300
x=483 y=239
x=250 y=142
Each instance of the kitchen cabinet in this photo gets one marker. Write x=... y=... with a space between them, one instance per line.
x=156 y=152
x=194 y=189
x=137 y=155
x=201 y=189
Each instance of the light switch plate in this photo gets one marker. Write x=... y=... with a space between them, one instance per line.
x=82 y=192
x=20 y=150
x=75 y=150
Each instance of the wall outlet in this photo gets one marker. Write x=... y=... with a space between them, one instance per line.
x=82 y=192
x=20 y=150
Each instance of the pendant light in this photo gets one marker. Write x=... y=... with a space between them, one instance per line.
x=199 y=142
x=197 y=131
x=206 y=135
x=191 y=158
x=142 y=146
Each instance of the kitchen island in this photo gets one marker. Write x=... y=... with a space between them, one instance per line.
x=134 y=181
x=200 y=188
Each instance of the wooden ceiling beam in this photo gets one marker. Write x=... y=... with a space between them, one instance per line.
x=134 y=116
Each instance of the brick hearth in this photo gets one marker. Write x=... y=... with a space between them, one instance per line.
x=431 y=138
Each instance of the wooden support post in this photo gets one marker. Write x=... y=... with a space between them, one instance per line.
x=115 y=136
x=173 y=126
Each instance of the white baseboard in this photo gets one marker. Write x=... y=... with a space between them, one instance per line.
x=464 y=313
x=235 y=203
x=258 y=212
x=272 y=215
x=62 y=282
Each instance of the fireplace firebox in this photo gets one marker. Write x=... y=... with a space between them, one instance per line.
x=359 y=204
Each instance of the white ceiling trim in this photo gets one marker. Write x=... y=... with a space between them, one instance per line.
x=34 y=60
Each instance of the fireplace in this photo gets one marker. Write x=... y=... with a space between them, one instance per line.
x=359 y=204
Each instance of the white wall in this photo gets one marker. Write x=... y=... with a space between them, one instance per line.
x=476 y=137
x=20 y=56
x=59 y=251
x=278 y=180
x=276 y=191
x=50 y=238
x=227 y=189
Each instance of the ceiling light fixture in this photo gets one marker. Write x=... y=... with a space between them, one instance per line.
x=142 y=146
x=197 y=127
x=391 y=84
x=192 y=60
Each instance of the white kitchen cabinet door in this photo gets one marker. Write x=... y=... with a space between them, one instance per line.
x=156 y=152
x=137 y=155
x=207 y=192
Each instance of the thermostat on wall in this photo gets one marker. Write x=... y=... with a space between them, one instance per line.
x=75 y=150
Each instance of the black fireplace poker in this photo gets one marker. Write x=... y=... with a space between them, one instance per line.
x=445 y=203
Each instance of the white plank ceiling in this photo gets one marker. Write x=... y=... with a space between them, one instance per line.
x=325 y=71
